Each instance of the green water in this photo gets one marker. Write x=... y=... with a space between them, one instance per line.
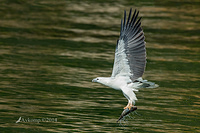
x=51 y=50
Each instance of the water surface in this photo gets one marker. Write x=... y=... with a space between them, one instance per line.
x=51 y=50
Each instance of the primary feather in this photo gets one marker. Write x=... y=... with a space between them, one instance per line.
x=130 y=54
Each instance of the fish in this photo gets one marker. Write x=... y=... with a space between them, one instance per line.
x=126 y=112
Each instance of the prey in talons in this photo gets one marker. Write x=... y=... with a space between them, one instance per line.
x=127 y=111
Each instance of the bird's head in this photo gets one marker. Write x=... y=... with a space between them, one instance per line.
x=97 y=80
x=102 y=80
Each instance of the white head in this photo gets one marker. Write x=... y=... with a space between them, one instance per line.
x=102 y=80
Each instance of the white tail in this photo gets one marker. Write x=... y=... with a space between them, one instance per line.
x=140 y=83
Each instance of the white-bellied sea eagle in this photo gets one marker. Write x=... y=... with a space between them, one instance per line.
x=130 y=60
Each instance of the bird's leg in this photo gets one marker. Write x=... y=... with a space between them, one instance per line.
x=126 y=106
x=129 y=105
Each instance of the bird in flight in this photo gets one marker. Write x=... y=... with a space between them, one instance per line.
x=130 y=60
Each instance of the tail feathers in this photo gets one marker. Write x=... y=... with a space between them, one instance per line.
x=148 y=84
x=140 y=83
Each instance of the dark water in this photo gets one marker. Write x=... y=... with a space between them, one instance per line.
x=51 y=50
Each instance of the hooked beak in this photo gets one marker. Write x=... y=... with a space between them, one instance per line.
x=94 y=80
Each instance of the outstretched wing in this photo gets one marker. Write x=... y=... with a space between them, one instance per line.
x=130 y=54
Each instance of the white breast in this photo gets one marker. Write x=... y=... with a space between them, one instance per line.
x=119 y=82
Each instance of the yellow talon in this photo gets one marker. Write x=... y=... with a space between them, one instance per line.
x=129 y=106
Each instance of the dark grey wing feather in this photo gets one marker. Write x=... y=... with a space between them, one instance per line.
x=130 y=54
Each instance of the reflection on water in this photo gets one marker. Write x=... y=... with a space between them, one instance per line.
x=51 y=50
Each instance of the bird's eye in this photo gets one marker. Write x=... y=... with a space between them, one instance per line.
x=97 y=79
